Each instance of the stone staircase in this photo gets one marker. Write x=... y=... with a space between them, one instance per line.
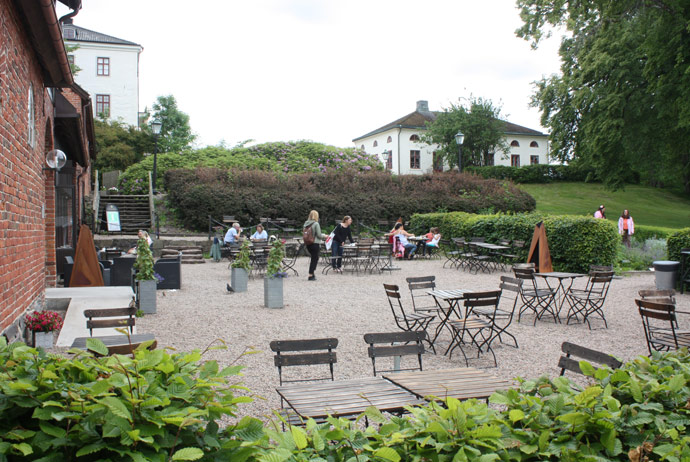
x=135 y=213
x=190 y=254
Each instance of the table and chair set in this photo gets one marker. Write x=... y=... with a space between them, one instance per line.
x=475 y=255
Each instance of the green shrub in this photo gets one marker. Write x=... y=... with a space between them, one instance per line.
x=575 y=242
x=644 y=232
x=368 y=197
x=152 y=407
x=677 y=241
x=641 y=255
x=542 y=173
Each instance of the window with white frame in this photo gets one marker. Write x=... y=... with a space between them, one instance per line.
x=31 y=118
x=415 y=159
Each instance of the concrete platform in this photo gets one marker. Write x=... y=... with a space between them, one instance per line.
x=79 y=299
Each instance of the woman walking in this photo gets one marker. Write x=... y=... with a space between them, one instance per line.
x=626 y=227
x=313 y=248
x=341 y=233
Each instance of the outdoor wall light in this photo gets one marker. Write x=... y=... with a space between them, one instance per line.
x=55 y=160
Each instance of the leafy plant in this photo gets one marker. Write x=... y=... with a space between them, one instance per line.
x=43 y=321
x=274 y=263
x=154 y=406
x=144 y=262
x=242 y=260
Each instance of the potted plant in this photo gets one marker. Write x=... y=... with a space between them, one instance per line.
x=145 y=278
x=113 y=191
x=43 y=325
x=273 y=282
x=241 y=266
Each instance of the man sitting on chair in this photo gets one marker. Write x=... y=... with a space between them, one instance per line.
x=233 y=234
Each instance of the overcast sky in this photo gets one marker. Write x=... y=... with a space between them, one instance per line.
x=323 y=70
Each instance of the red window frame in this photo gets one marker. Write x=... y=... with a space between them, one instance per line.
x=415 y=159
x=515 y=160
x=103 y=105
x=103 y=66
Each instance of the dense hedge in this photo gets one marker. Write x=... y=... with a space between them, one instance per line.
x=677 y=241
x=161 y=407
x=542 y=173
x=575 y=242
x=644 y=232
x=367 y=197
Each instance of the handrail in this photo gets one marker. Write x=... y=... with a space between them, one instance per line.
x=96 y=205
x=152 y=211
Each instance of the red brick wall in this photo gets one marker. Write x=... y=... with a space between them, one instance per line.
x=23 y=183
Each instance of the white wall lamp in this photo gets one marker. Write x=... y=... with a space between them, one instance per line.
x=55 y=160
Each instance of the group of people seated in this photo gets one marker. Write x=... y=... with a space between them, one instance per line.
x=234 y=234
x=403 y=248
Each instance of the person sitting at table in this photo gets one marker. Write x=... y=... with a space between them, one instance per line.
x=260 y=234
x=233 y=234
x=432 y=238
x=402 y=236
x=391 y=233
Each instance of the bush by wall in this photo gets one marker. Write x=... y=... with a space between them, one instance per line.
x=644 y=232
x=677 y=241
x=367 y=197
x=574 y=242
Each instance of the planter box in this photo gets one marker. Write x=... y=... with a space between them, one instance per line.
x=238 y=279
x=146 y=296
x=43 y=339
x=273 y=292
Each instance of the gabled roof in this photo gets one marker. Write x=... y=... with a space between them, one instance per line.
x=418 y=119
x=79 y=34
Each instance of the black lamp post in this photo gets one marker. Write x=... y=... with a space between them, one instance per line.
x=386 y=156
x=156 y=129
x=459 y=138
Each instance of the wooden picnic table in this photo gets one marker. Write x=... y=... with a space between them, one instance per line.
x=344 y=398
x=461 y=383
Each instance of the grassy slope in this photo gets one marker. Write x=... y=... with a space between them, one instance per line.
x=648 y=206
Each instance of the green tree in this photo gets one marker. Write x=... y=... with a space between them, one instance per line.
x=71 y=49
x=120 y=145
x=481 y=126
x=622 y=102
x=176 y=134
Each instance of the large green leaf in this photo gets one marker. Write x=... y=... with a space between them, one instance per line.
x=188 y=454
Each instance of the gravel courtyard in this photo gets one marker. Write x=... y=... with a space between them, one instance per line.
x=346 y=306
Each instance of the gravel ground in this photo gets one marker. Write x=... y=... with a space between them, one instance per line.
x=346 y=306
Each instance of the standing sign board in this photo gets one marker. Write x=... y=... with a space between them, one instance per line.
x=112 y=216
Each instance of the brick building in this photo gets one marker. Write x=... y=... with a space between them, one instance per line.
x=41 y=109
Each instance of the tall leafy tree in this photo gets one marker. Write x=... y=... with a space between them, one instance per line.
x=176 y=134
x=622 y=101
x=119 y=145
x=481 y=125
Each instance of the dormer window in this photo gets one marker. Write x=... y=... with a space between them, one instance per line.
x=69 y=33
x=515 y=144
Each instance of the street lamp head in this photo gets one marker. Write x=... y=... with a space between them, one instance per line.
x=56 y=159
x=459 y=138
x=386 y=155
x=156 y=126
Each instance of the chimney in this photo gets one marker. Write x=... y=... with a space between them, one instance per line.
x=422 y=106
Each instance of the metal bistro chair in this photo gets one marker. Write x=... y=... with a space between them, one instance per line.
x=534 y=298
x=407 y=321
x=291 y=253
x=570 y=349
x=450 y=251
x=591 y=302
x=504 y=317
x=659 y=323
x=398 y=344
x=479 y=329
x=422 y=301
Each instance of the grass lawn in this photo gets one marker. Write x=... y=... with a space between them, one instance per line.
x=648 y=206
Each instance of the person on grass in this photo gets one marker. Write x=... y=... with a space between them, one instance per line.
x=626 y=227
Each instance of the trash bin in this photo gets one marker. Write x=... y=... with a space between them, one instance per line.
x=666 y=273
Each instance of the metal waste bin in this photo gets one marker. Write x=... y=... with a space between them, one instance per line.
x=666 y=273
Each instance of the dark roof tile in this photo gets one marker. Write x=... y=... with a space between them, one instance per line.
x=79 y=34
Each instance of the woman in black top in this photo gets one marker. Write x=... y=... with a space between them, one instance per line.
x=341 y=233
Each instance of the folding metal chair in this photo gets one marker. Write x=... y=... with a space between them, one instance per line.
x=660 y=326
x=479 y=330
x=422 y=301
x=407 y=321
x=504 y=317
x=590 y=302
x=534 y=298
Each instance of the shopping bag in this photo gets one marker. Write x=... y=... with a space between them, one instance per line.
x=329 y=240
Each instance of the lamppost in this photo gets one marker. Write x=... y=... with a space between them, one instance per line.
x=156 y=129
x=459 y=138
x=386 y=156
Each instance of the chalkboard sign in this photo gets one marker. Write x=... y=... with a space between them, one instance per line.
x=112 y=216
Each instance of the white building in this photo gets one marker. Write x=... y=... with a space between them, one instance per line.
x=109 y=71
x=406 y=154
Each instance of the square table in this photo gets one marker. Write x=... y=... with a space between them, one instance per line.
x=452 y=297
x=346 y=397
x=461 y=383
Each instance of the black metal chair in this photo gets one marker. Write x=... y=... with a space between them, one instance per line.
x=479 y=329
x=291 y=253
x=539 y=300
x=422 y=301
x=591 y=301
x=450 y=251
x=407 y=321
x=659 y=323
x=504 y=317
x=570 y=349
x=398 y=344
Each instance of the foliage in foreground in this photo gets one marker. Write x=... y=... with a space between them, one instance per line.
x=676 y=242
x=154 y=407
x=166 y=407
x=575 y=242
x=367 y=197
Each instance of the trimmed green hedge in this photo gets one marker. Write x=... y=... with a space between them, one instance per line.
x=542 y=173
x=575 y=242
x=367 y=197
x=677 y=241
x=644 y=232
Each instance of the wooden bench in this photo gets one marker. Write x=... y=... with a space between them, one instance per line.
x=111 y=317
x=566 y=362
x=118 y=344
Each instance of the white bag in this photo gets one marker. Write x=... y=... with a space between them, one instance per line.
x=329 y=240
